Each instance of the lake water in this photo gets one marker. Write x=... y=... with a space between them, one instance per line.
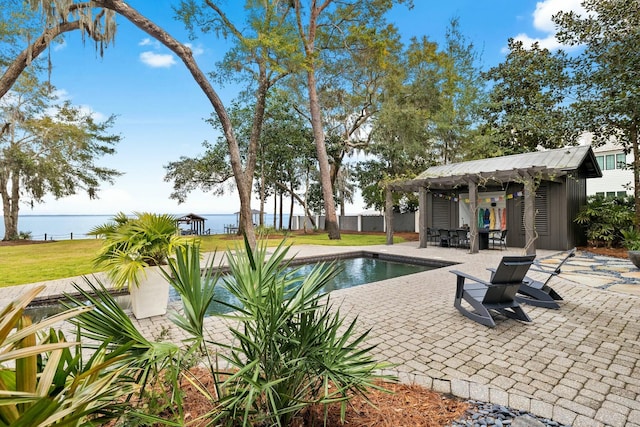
x=61 y=227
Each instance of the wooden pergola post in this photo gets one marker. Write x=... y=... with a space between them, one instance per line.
x=474 y=242
x=388 y=215
x=529 y=215
x=422 y=217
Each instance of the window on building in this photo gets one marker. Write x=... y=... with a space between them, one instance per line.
x=622 y=193
x=610 y=162
x=611 y=194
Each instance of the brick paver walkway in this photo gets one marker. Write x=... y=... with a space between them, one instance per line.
x=579 y=365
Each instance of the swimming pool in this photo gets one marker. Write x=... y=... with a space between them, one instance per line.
x=355 y=269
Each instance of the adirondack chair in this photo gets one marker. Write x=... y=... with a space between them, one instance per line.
x=496 y=295
x=539 y=293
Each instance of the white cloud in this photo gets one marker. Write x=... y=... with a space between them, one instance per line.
x=550 y=42
x=543 y=23
x=157 y=60
x=547 y=8
x=149 y=42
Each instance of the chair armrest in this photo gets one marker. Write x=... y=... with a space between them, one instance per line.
x=535 y=284
x=542 y=270
x=470 y=277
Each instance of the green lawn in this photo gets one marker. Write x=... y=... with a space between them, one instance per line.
x=38 y=262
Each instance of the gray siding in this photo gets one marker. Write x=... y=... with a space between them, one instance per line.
x=576 y=199
x=443 y=213
x=554 y=218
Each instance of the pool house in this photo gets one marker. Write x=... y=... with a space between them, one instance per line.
x=535 y=196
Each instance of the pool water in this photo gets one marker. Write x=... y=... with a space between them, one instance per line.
x=352 y=272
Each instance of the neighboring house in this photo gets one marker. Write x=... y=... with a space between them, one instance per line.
x=617 y=178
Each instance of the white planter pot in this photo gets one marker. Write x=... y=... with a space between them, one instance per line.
x=151 y=297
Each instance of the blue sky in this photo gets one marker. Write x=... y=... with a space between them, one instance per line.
x=161 y=111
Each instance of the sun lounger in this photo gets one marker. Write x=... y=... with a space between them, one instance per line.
x=539 y=293
x=496 y=295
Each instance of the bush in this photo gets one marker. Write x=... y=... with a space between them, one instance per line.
x=131 y=244
x=292 y=350
x=604 y=218
x=631 y=239
x=46 y=380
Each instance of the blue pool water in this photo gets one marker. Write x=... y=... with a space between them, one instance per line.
x=353 y=272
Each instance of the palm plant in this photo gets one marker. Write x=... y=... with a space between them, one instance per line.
x=134 y=243
x=108 y=326
x=43 y=382
x=292 y=350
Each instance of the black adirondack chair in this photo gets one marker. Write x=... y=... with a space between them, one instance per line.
x=539 y=293
x=495 y=296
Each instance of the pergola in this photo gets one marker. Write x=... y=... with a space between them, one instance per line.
x=195 y=223
x=528 y=169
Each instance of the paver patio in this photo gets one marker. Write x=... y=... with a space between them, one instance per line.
x=579 y=365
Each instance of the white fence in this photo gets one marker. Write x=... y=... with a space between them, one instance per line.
x=401 y=222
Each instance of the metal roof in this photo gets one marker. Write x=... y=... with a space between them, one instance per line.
x=564 y=159
x=549 y=163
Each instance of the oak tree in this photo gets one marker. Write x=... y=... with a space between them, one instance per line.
x=607 y=72
x=527 y=106
x=48 y=148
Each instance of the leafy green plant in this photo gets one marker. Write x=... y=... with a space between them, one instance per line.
x=130 y=244
x=604 y=218
x=292 y=349
x=150 y=362
x=631 y=239
x=44 y=379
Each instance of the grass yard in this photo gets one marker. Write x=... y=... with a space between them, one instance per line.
x=30 y=262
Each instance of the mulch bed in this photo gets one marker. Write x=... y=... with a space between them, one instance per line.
x=405 y=406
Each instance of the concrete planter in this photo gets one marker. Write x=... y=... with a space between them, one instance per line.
x=151 y=297
x=634 y=257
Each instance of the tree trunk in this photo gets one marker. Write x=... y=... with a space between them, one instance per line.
x=10 y=206
x=331 y=222
x=301 y=201
x=262 y=192
x=281 y=203
x=293 y=200
x=275 y=208
x=308 y=40
x=25 y=57
x=244 y=178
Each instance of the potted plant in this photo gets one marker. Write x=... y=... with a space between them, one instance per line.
x=632 y=243
x=133 y=252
